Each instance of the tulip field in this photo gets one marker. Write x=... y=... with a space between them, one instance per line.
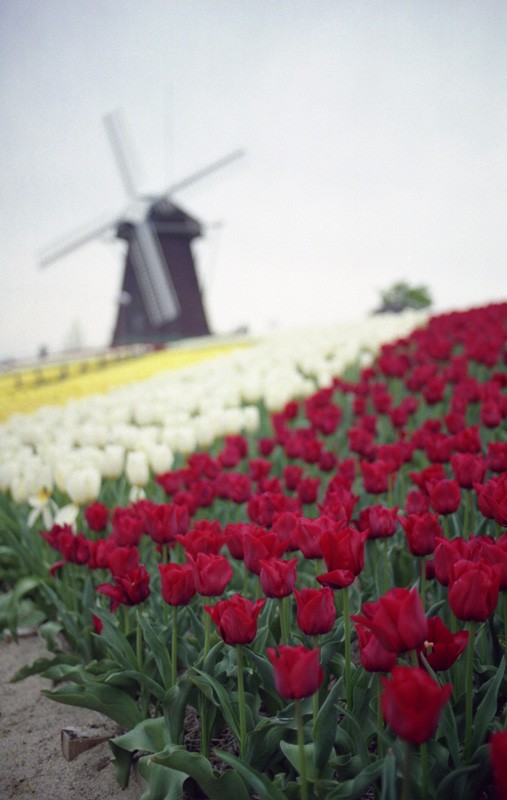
x=282 y=571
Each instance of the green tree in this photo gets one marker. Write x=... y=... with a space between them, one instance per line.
x=401 y=295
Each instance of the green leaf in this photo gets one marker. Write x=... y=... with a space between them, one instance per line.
x=259 y=784
x=487 y=708
x=263 y=743
x=224 y=787
x=113 y=703
x=159 y=650
x=41 y=665
x=117 y=641
x=163 y=783
x=150 y=735
x=155 y=688
x=388 y=780
x=355 y=787
x=324 y=732
x=174 y=704
x=291 y=753
x=218 y=694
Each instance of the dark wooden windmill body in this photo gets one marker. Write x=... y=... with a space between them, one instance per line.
x=160 y=298
x=174 y=230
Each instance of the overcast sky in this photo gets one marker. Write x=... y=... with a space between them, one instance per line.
x=375 y=134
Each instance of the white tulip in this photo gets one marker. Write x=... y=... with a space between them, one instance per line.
x=137 y=468
x=83 y=485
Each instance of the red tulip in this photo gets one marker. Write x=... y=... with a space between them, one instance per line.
x=421 y=531
x=498 y=757
x=379 y=521
x=259 y=544
x=442 y=648
x=473 y=589
x=177 y=583
x=445 y=496
x=374 y=657
x=212 y=573
x=130 y=589
x=397 y=619
x=343 y=551
x=468 y=468
x=316 y=611
x=447 y=552
x=96 y=516
x=376 y=475
x=278 y=577
x=297 y=671
x=236 y=618
x=412 y=702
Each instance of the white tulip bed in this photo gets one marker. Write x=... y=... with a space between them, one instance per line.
x=140 y=428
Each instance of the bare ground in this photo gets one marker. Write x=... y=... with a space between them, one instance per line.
x=31 y=760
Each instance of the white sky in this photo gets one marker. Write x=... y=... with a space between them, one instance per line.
x=376 y=141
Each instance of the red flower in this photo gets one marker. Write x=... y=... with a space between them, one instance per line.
x=236 y=618
x=376 y=475
x=447 y=552
x=421 y=531
x=127 y=527
x=177 y=583
x=212 y=573
x=445 y=496
x=343 y=552
x=442 y=648
x=397 y=619
x=278 y=577
x=468 y=468
x=130 y=589
x=96 y=516
x=202 y=540
x=473 y=589
x=498 y=756
x=374 y=657
x=121 y=560
x=380 y=522
x=316 y=611
x=259 y=544
x=308 y=490
x=297 y=671
x=412 y=702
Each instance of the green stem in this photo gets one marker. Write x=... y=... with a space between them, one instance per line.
x=380 y=718
x=207 y=634
x=466 y=519
x=315 y=699
x=283 y=610
x=445 y=526
x=346 y=624
x=423 y=580
x=407 y=768
x=469 y=691
x=504 y=603
x=301 y=750
x=386 y=561
x=425 y=770
x=241 y=702
x=174 y=645
x=139 y=641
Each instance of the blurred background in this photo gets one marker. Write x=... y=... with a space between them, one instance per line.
x=375 y=152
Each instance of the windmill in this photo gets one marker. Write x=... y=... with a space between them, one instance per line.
x=160 y=297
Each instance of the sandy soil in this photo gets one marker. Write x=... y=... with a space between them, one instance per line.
x=31 y=760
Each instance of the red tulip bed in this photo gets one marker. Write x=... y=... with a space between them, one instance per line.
x=318 y=612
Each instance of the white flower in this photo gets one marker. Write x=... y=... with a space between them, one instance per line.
x=83 y=485
x=137 y=468
x=43 y=506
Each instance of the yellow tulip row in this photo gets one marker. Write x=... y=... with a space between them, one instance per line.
x=54 y=384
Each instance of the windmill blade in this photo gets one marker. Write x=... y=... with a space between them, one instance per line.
x=74 y=240
x=118 y=140
x=155 y=284
x=203 y=173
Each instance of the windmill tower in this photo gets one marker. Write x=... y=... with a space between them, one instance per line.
x=160 y=297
